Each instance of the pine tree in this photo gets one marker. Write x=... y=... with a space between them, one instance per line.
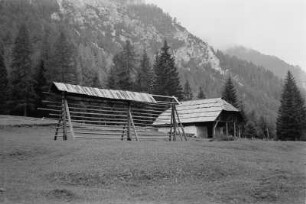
x=145 y=77
x=201 y=94
x=63 y=61
x=123 y=71
x=21 y=78
x=250 y=130
x=41 y=84
x=187 y=91
x=3 y=84
x=291 y=115
x=229 y=93
x=167 y=81
x=111 y=79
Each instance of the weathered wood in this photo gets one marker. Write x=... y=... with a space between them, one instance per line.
x=64 y=117
x=134 y=128
x=69 y=119
x=181 y=125
x=235 y=129
x=129 y=122
x=214 y=129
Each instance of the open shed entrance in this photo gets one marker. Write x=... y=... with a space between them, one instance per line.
x=92 y=113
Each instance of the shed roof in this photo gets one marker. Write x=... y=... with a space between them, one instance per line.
x=197 y=111
x=103 y=93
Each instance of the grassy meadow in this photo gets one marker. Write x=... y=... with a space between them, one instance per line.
x=36 y=169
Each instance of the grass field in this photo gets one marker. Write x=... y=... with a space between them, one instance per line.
x=36 y=169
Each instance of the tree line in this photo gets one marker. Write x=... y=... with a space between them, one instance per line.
x=21 y=90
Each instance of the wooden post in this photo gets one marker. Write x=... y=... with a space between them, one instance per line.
x=171 y=124
x=174 y=122
x=134 y=128
x=226 y=128
x=180 y=124
x=69 y=119
x=234 y=129
x=64 y=116
x=129 y=122
x=214 y=129
x=58 y=126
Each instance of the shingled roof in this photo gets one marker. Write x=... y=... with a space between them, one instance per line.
x=197 y=111
x=103 y=93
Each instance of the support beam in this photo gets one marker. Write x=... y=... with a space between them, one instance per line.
x=226 y=128
x=234 y=129
x=214 y=129
x=174 y=122
x=69 y=119
x=134 y=128
x=129 y=122
x=180 y=124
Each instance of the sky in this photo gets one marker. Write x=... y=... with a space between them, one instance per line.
x=273 y=27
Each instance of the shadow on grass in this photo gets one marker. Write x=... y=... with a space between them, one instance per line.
x=62 y=195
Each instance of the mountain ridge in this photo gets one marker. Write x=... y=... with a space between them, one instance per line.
x=99 y=29
x=270 y=62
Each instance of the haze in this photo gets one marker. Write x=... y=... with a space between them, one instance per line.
x=273 y=27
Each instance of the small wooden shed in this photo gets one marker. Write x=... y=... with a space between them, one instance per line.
x=205 y=118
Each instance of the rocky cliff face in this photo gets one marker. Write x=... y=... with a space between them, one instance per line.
x=121 y=21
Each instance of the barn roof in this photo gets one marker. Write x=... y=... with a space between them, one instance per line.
x=103 y=93
x=197 y=111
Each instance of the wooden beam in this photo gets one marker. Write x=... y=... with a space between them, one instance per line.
x=234 y=129
x=214 y=129
x=64 y=117
x=134 y=128
x=69 y=119
x=129 y=122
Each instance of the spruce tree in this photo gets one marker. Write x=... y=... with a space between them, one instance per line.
x=41 y=84
x=291 y=114
x=124 y=68
x=145 y=76
x=250 y=130
x=187 y=91
x=21 y=78
x=229 y=93
x=3 y=84
x=201 y=94
x=167 y=81
x=63 y=61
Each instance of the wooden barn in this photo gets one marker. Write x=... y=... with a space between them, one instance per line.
x=207 y=118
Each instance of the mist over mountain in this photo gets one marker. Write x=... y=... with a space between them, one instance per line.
x=271 y=63
x=98 y=29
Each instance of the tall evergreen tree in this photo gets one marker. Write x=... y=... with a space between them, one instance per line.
x=3 y=84
x=201 y=94
x=21 y=78
x=63 y=61
x=41 y=84
x=291 y=114
x=229 y=93
x=145 y=77
x=124 y=68
x=167 y=81
x=187 y=91
x=250 y=130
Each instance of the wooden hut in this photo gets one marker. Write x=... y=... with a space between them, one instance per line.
x=205 y=118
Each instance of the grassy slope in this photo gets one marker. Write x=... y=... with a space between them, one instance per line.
x=36 y=169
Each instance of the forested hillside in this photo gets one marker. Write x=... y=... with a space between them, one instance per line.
x=271 y=63
x=85 y=35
